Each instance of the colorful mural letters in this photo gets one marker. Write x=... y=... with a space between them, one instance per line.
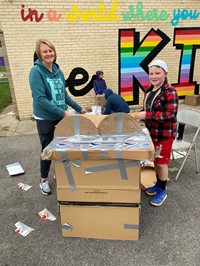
x=134 y=54
x=134 y=57
x=110 y=14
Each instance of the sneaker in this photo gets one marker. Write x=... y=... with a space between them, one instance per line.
x=159 y=198
x=45 y=189
x=152 y=190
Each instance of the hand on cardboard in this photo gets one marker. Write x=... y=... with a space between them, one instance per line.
x=66 y=114
x=140 y=115
x=83 y=111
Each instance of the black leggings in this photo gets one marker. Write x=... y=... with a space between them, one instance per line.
x=46 y=134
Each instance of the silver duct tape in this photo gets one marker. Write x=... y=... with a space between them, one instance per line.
x=131 y=226
x=76 y=121
x=118 y=154
x=69 y=176
x=75 y=163
x=120 y=123
x=102 y=168
x=122 y=169
x=85 y=152
x=67 y=226
x=68 y=171
x=63 y=154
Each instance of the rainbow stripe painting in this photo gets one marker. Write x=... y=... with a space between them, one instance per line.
x=188 y=40
x=134 y=59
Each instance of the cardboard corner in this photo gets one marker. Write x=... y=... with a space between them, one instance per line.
x=148 y=177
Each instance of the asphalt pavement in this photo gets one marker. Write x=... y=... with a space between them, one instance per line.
x=169 y=235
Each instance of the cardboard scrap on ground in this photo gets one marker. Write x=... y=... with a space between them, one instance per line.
x=46 y=215
x=23 y=229
x=23 y=186
x=178 y=154
x=14 y=169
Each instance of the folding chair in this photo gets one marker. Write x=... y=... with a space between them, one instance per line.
x=189 y=117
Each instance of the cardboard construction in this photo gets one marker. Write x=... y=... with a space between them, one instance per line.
x=148 y=177
x=100 y=222
x=192 y=99
x=112 y=124
x=98 y=181
x=88 y=124
x=100 y=100
x=112 y=127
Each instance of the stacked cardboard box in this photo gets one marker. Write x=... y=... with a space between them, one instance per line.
x=98 y=175
x=192 y=99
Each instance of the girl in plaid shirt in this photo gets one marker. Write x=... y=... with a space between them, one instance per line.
x=159 y=112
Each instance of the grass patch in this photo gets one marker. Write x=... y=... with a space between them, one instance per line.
x=2 y=69
x=5 y=98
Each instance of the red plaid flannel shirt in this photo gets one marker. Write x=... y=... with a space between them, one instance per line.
x=161 y=118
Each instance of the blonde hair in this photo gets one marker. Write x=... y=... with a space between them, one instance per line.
x=48 y=43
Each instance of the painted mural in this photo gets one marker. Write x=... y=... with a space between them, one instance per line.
x=134 y=54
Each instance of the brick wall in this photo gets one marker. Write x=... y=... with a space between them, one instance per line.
x=83 y=42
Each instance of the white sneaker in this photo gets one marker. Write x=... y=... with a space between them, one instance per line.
x=45 y=188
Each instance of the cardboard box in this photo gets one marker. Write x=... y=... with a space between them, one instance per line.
x=117 y=136
x=100 y=100
x=148 y=177
x=192 y=99
x=100 y=222
x=98 y=181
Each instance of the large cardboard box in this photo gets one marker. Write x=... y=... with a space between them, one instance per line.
x=100 y=100
x=100 y=222
x=117 y=136
x=98 y=181
x=192 y=99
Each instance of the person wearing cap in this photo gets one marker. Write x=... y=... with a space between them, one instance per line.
x=160 y=108
x=99 y=83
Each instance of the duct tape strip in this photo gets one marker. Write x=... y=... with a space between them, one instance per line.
x=122 y=169
x=63 y=154
x=85 y=152
x=76 y=121
x=131 y=226
x=75 y=163
x=68 y=171
x=104 y=148
x=120 y=123
x=118 y=154
x=102 y=168
x=67 y=226
x=69 y=176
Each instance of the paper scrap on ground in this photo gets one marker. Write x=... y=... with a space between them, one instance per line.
x=179 y=154
x=23 y=229
x=14 y=169
x=23 y=186
x=45 y=214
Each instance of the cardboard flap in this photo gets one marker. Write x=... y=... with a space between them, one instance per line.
x=76 y=124
x=119 y=123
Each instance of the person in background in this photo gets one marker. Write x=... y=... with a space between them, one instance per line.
x=159 y=112
x=99 y=83
x=115 y=103
x=50 y=100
